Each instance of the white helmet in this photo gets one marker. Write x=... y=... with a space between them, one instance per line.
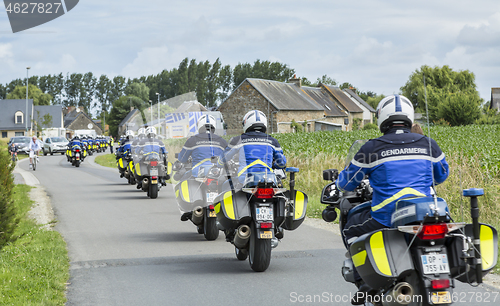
x=129 y=134
x=206 y=123
x=141 y=132
x=254 y=120
x=151 y=131
x=394 y=109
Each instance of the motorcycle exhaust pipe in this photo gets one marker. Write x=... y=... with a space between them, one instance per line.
x=400 y=294
x=145 y=183
x=242 y=236
x=197 y=216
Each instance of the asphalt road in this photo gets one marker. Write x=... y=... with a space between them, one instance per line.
x=126 y=249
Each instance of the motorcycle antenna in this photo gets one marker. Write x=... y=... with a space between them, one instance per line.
x=430 y=146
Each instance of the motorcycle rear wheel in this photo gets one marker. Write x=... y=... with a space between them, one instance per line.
x=153 y=191
x=259 y=251
x=77 y=163
x=210 y=229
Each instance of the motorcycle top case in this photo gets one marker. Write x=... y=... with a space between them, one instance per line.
x=189 y=194
x=381 y=258
x=299 y=209
x=142 y=169
x=232 y=208
x=488 y=243
x=414 y=210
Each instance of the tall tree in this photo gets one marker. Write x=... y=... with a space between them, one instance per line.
x=201 y=89
x=103 y=93
x=121 y=107
x=39 y=98
x=214 y=83
x=74 y=89
x=140 y=90
x=192 y=75
x=117 y=88
x=183 y=80
x=443 y=86
x=225 y=76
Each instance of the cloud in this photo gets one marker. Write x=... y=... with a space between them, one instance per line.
x=148 y=61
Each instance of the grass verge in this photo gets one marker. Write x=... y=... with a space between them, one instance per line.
x=34 y=269
x=106 y=160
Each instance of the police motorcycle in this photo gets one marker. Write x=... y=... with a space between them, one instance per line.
x=85 y=145
x=418 y=259
x=255 y=214
x=195 y=196
x=75 y=154
x=152 y=170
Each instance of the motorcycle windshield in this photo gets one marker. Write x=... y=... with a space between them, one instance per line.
x=253 y=179
x=353 y=150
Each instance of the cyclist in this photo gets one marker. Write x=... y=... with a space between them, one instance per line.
x=34 y=148
x=13 y=149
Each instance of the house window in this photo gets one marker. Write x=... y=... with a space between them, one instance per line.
x=4 y=134
x=19 y=116
x=19 y=134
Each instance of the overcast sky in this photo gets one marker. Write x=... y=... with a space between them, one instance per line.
x=374 y=45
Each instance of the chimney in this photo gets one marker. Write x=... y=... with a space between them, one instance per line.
x=295 y=81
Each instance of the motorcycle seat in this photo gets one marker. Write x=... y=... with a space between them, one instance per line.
x=359 y=208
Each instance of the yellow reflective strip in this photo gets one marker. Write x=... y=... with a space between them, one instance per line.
x=185 y=191
x=177 y=193
x=121 y=163
x=299 y=204
x=206 y=159
x=379 y=254
x=257 y=162
x=487 y=246
x=169 y=168
x=138 y=169
x=359 y=258
x=217 y=208
x=403 y=192
x=228 y=204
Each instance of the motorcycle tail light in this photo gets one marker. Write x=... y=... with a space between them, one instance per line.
x=154 y=177
x=266 y=225
x=211 y=207
x=77 y=151
x=440 y=283
x=433 y=231
x=264 y=193
x=208 y=181
x=154 y=163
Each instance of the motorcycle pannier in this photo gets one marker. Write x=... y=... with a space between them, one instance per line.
x=299 y=213
x=381 y=257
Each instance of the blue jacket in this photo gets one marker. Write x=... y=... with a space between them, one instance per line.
x=201 y=148
x=124 y=146
x=256 y=152
x=399 y=165
x=151 y=147
x=75 y=142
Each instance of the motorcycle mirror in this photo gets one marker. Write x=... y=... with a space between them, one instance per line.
x=214 y=159
x=330 y=174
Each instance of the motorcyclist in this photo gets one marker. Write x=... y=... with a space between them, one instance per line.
x=76 y=141
x=125 y=144
x=256 y=150
x=151 y=146
x=34 y=148
x=399 y=164
x=201 y=147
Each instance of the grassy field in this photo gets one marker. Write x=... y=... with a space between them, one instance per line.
x=106 y=160
x=34 y=269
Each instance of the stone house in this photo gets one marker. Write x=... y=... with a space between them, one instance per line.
x=316 y=108
x=368 y=111
x=77 y=119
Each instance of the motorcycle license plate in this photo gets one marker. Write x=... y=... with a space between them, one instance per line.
x=212 y=214
x=77 y=155
x=435 y=264
x=441 y=297
x=154 y=172
x=266 y=235
x=154 y=181
x=264 y=214
x=211 y=196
